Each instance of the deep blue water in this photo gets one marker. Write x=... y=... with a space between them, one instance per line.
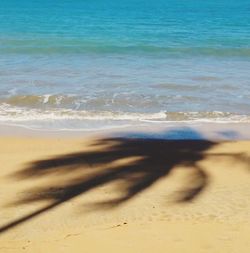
x=85 y=64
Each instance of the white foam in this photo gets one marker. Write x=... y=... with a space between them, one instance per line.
x=46 y=98
x=14 y=113
x=73 y=119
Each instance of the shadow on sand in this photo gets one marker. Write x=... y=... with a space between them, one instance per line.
x=137 y=163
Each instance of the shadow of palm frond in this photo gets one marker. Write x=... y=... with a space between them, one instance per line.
x=151 y=160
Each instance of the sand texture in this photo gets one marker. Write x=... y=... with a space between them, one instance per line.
x=124 y=195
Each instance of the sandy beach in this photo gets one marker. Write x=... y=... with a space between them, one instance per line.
x=124 y=126
x=110 y=194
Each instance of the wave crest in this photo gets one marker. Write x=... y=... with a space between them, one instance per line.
x=15 y=113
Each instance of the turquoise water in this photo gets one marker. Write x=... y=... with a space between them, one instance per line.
x=79 y=64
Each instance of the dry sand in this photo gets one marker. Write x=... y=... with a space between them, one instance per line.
x=117 y=195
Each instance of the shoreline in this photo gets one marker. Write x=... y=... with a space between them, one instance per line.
x=207 y=130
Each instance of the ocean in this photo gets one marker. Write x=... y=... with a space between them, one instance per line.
x=83 y=65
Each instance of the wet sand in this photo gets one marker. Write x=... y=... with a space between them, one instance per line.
x=110 y=194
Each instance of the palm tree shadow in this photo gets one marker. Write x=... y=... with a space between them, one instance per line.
x=136 y=162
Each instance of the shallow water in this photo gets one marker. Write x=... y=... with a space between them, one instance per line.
x=93 y=64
